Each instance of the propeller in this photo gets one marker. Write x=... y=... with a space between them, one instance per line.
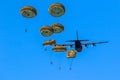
x=93 y=45
x=71 y=46
x=86 y=45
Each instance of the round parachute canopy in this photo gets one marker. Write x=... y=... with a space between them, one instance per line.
x=71 y=54
x=49 y=42
x=46 y=31
x=59 y=48
x=57 y=27
x=28 y=12
x=56 y=9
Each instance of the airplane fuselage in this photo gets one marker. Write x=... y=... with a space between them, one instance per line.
x=78 y=46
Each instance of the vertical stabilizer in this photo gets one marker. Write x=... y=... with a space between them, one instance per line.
x=77 y=35
x=76 y=38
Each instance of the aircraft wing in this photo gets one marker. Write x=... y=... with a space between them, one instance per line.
x=93 y=43
x=71 y=45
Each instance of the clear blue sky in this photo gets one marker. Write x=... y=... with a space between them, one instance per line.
x=22 y=56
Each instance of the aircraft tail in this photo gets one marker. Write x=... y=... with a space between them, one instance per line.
x=76 y=38
x=77 y=35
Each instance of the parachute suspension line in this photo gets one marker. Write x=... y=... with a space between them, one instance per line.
x=59 y=67
x=26 y=23
x=48 y=53
x=70 y=68
x=59 y=62
x=26 y=30
x=51 y=61
x=45 y=48
x=25 y=26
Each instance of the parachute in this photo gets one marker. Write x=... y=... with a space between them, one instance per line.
x=49 y=42
x=28 y=12
x=46 y=31
x=56 y=9
x=59 y=48
x=57 y=27
x=71 y=54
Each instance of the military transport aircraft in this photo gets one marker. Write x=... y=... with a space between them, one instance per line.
x=78 y=44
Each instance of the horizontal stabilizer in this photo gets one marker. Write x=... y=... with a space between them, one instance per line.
x=70 y=40
x=75 y=40
x=83 y=40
